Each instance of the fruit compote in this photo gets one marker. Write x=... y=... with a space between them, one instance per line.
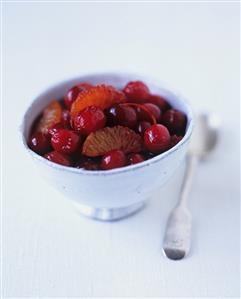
x=101 y=128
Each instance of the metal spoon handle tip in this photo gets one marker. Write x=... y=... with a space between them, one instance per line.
x=177 y=238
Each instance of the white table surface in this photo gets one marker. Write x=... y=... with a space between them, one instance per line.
x=51 y=251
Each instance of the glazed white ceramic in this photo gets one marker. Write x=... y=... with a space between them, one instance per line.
x=115 y=188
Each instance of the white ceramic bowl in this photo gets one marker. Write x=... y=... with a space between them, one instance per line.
x=112 y=194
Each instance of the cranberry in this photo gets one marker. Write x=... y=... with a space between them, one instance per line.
x=157 y=138
x=175 y=139
x=159 y=101
x=136 y=91
x=142 y=126
x=144 y=114
x=58 y=158
x=113 y=159
x=54 y=129
x=135 y=158
x=71 y=96
x=39 y=143
x=175 y=121
x=66 y=119
x=121 y=115
x=73 y=93
x=65 y=141
x=89 y=120
x=155 y=110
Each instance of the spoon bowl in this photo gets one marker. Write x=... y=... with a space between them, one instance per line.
x=205 y=135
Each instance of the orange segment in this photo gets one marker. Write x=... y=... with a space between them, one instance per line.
x=102 y=96
x=51 y=116
x=108 y=139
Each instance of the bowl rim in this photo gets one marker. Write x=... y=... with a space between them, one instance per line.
x=119 y=170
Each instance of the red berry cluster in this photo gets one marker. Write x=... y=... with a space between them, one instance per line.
x=153 y=127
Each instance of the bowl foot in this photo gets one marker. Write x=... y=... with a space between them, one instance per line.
x=106 y=214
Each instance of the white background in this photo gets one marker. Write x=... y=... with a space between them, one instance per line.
x=51 y=251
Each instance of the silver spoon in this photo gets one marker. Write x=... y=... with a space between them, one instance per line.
x=177 y=238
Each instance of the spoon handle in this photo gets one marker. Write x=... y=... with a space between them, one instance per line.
x=177 y=238
x=191 y=165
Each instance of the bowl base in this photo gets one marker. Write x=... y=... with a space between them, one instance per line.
x=106 y=214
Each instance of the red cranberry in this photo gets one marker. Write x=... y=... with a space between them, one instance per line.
x=157 y=138
x=54 y=129
x=144 y=114
x=66 y=119
x=175 y=139
x=74 y=92
x=121 y=115
x=71 y=96
x=89 y=120
x=113 y=159
x=58 y=158
x=65 y=141
x=175 y=121
x=159 y=101
x=136 y=91
x=39 y=143
x=155 y=110
x=142 y=126
x=135 y=158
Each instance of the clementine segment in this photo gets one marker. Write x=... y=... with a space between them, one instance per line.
x=108 y=139
x=51 y=115
x=102 y=96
